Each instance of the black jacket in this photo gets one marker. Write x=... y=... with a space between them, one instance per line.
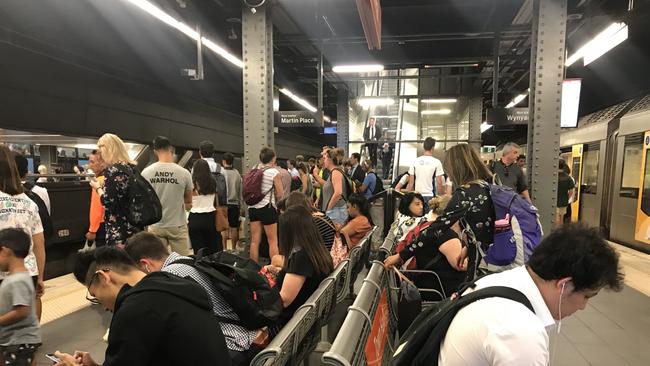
x=378 y=133
x=358 y=174
x=164 y=320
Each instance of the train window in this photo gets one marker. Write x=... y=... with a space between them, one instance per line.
x=590 y=171
x=645 y=198
x=631 y=163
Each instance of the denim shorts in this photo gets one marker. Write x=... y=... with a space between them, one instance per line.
x=339 y=215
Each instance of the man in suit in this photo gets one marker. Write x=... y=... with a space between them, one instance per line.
x=357 y=174
x=371 y=134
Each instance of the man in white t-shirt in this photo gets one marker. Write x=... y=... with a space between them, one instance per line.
x=173 y=185
x=569 y=267
x=425 y=169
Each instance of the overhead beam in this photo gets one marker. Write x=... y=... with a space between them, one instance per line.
x=512 y=32
x=420 y=77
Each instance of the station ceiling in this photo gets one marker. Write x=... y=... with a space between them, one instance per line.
x=114 y=38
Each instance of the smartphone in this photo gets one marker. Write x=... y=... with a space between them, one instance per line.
x=52 y=357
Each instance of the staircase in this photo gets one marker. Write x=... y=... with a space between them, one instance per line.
x=388 y=122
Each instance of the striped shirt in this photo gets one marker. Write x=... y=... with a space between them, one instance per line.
x=326 y=230
x=237 y=337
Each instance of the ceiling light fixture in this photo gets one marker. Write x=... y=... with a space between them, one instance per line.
x=440 y=100
x=298 y=100
x=343 y=69
x=373 y=102
x=157 y=13
x=485 y=126
x=436 y=111
x=517 y=100
x=604 y=41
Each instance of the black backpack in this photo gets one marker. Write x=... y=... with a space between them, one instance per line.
x=420 y=345
x=144 y=206
x=46 y=219
x=379 y=184
x=396 y=180
x=222 y=187
x=296 y=184
x=238 y=280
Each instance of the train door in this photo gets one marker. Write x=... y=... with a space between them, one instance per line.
x=609 y=180
x=576 y=172
x=642 y=230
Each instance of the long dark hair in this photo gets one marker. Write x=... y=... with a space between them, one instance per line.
x=9 y=177
x=297 y=229
x=406 y=201
x=204 y=182
x=361 y=203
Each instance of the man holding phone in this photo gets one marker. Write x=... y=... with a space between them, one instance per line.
x=158 y=319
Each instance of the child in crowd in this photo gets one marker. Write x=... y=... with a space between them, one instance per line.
x=19 y=331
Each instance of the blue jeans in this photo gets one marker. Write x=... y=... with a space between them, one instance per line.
x=339 y=215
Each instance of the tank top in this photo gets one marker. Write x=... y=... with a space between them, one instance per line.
x=203 y=203
x=328 y=192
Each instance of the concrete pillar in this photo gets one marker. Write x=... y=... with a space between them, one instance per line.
x=257 y=51
x=546 y=75
x=475 y=120
x=343 y=120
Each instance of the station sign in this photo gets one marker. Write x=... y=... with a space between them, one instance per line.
x=297 y=119
x=507 y=116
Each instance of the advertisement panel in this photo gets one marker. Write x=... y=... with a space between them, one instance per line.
x=378 y=333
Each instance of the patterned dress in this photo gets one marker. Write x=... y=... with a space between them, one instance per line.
x=472 y=205
x=116 y=206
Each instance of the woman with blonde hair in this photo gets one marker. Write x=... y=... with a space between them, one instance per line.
x=470 y=201
x=114 y=190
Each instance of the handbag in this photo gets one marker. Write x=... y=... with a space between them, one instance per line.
x=339 y=250
x=220 y=216
x=409 y=304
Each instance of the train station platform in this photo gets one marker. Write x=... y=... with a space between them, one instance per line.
x=612 y=330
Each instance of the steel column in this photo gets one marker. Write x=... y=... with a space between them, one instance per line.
x=257 y=50
x=343 y=119
x=475 y=120
x=546 y=75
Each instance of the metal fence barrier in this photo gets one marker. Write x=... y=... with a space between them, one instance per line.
x=373 y=315
x=299 y=337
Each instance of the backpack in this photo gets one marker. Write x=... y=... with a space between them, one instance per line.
x=517 y=230
x=410 y=237
x=420 y=344
x=252 y=186
x=396 y=180
x=144 y=206
x=46 y=219
x=238 y=280
x=296 y=184
x=379 y=184
x=350 y=185
x=222 y=187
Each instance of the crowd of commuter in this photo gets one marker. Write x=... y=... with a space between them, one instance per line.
x=299 y=211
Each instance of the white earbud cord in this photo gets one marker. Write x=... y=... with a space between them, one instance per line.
x=559 y=328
